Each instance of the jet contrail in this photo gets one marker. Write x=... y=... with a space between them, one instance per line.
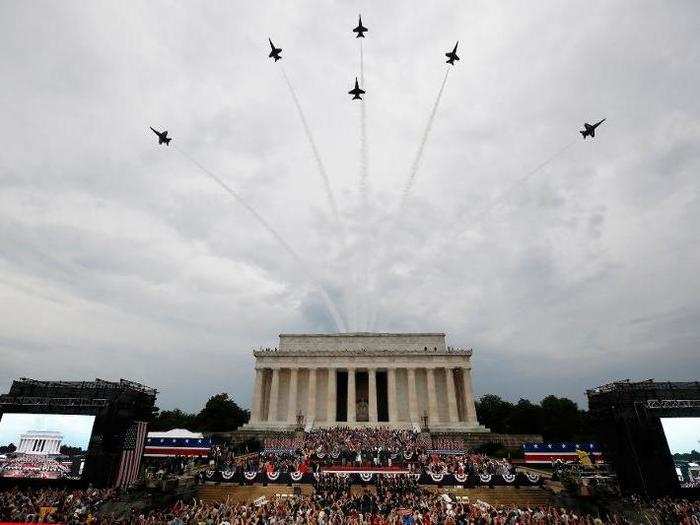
x=330 y=305
x=483 y=213
x=362 y=65
x=525 y=177
x=380 y=254
x=364 y=168
x=419 y=154
x=317 y=156
x=364 y=196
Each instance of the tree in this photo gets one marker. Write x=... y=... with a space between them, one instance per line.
x=221 y=413
x=493 y=412
x=67 y=450
x=9 y=449
x=169 y=419
x=560 y=419
x=525 y=418
x=555 y=418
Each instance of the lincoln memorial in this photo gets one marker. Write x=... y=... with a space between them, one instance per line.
x=364 y=379
x=42 y=442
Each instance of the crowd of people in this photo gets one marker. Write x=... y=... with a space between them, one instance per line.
x=391 y=500
x=369 y=448
x=48 y=505
x=395 y=502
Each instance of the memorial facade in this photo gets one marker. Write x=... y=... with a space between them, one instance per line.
x=364 y=379
x=41 y=442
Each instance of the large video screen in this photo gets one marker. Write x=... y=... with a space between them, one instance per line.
x=44 y=446
x=683 y=438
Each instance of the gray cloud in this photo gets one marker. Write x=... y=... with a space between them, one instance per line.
x=119 y=259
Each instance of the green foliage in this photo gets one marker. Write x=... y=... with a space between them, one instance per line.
x=492 y=449
x=169 y=419
x=67 y=450
x=220 y=414
x=556 y=418
x=8 y=449
x=693 y=455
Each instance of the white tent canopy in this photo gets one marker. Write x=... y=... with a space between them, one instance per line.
x=177 y=433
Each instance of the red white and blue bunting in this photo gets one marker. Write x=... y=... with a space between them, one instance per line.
x=366 y=476
x=532 y=477
x=485 y=478
x=227 y=474
x=296 y=476
x=437 y=478
x=508 y=478
x=461 y=478
x=250 y=475
x=209 y=473
x=272 y=476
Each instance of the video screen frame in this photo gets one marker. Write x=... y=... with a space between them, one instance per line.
x=44 y=446
x=682 y=436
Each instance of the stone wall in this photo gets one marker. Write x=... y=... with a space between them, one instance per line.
x=359 y=341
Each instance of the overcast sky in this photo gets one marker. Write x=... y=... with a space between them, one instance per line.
x=120 y=258
x=682 y=434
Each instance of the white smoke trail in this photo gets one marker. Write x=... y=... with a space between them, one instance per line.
x=382 y=253
x=330 y=305
x=363 y=322
x=523 y=179
x=314 y=149
x=364 y=154
x=421 y=148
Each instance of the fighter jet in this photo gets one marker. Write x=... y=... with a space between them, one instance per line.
x=452 y=55
x=589 y=130
x=357 y=91
x=162 y=137
x=360 y=29
x=275 y=53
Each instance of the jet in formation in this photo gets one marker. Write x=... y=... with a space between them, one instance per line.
x=589 y=130
x=360 y=29
x=162 y=137
x=452 y=55
x=356 y=92
x=275 y=53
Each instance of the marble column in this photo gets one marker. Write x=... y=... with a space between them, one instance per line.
x=412 y=397
x=469 y=396
x=352 y=398
x=274 y=395
x=331 y=415
x=311 y=405
x=451 y=395
x=292 y=402
x=433 y=414
x=391 y=395
x=255 y=414
x=372 y=393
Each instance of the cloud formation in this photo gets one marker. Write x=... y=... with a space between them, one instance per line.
x=119 y=259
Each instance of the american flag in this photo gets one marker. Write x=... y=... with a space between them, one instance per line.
x=567 y=452
x=134 y=439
